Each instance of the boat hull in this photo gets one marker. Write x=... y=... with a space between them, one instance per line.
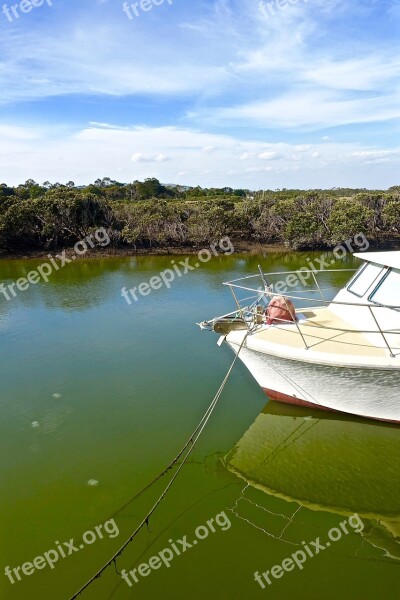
x=371 y=393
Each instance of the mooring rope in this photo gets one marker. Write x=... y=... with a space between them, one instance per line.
x=193 y=441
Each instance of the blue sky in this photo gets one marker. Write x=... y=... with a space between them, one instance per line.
x=202 y=92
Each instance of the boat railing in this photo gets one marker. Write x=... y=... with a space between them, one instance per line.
x=263 y=293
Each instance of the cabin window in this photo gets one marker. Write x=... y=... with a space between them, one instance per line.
x=388 y=291
x=364 y=279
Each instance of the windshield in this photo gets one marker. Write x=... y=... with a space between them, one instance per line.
x=365 y=278
x=388 y=292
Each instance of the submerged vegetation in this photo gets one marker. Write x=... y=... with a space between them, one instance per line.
x=149 y=215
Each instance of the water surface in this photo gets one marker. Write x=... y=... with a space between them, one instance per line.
x=98 y=396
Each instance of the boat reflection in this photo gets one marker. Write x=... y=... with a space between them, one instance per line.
x=326 y=462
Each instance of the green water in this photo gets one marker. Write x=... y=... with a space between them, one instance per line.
x=94 y=390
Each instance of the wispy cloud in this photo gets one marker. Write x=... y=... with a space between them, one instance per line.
x=213 y=75
x=177 y=154
x=148 y=158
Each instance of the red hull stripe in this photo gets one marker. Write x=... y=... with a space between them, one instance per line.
x=286 y=399
x=279 y=397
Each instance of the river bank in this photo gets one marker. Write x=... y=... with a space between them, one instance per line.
x=240 y=247
x=250 y=248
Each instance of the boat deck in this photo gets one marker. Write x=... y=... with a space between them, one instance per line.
x=326 y=337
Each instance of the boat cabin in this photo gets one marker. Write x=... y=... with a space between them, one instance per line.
x=376 y=284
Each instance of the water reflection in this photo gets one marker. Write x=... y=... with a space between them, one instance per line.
x=88 y=283
x=326 y=462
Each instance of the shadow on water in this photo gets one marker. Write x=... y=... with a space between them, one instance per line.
x=326 y=462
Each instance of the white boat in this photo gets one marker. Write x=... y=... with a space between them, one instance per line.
x=341 y=354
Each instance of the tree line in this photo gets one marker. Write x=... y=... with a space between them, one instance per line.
x=150 y=215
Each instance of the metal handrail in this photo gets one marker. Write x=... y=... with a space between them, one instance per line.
x=316 y=283
x=292 y=272
x=247 y=310
x=382 y=333
x=269 y=293
x=297 y=325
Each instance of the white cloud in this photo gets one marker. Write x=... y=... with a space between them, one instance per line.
x=310 y=110
x=309 y=68
x=12 y=132
x=258 y=169
x=149 y=158
x=91 y=56
x=107 y=151
x=268 y=155
x=285 y=64
x=208 y=149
